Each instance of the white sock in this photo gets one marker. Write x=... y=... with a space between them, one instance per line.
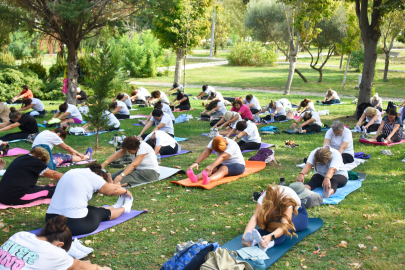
x=248 y=237
x=256 y=235
x=120 y=202
x=128 y=203
x=270 y=245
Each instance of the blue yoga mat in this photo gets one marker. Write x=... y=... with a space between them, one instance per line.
x=178 y=139
x=341 y=193
x=290 y=132
x=21 y=140
x=277 y=252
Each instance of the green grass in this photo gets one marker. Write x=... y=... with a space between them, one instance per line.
x=191 y=213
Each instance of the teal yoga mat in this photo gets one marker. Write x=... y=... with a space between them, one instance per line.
x=290 y=132
x=277 y=252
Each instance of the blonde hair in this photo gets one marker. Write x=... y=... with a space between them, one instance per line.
x=370 y=111
x=219 y=144
x=228 y=116
x=40 y=153
x=375 y=96
x=273 y=209
x=322 y=156
x=330 y=92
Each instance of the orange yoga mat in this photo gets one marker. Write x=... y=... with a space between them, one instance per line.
x=250 y=167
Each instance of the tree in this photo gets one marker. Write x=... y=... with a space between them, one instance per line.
x=393 y=24
x=179 y=25
x=235 y=10
x=72 y=21
x=222 y=26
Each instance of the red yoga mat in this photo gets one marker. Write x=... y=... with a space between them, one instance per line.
x=380 y=143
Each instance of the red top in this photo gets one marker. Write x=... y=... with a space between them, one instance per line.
x=244 y=112
x=28 y=93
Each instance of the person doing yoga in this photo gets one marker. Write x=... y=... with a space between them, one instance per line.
x=312 y=123
x=164 y=108
x=68 y=114
x=18 y=185
x=372 y=121
x=161 y=120
x=25 y=93
x=249 y=135
x=276 y=109
x=48 y=250
x=306 y=105
x=391 y=127
x=140 y=95
x=340 y=138
x=206 y=92
x=253 y=103
x=215 y=96
x=158 y=96
x=215 y=109
x=75 y=189
x=242 y=109
x=278 y=214
x=177 y=87
x=25 y=122
x=229 y=161
x=229 y=121
x=162 y=143
x=144 y=167
x=4 y=147
x=48 y=139
x=125 y=98
x=112 y=122
x=120 y=110
x=327 y=163
x=182 y=101
x=376 y=101
x=33 y=103
x=331 y=97
x=81 y=96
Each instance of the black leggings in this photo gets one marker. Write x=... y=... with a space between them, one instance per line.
x=312 y=128
x=347 y=158
x=15 y=136
x=394 y=138
x=249 y=145
x=138 y=102
x=254 y=111
x=113 y=128
x=371 y=128
x=183 y=107
x=146 y=134
x=122 y=116
x=230 y=99
x=168 y=150
x=87 y=224
x=337 y=181
x=33 y=194
x=276 y=118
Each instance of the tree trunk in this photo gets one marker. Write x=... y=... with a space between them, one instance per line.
x=320 y=75
x=97 y=139
x=347 y=68
x=293 y=61
x=301 y=75
x=61 y=51
x=370 y=58
x=72 y=74
x=179 y=62
x=341 y=61
x=387 y=63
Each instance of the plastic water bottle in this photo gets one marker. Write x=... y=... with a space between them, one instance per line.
x=159 y=159
x=272 y=118
x=259 y=265
x=115 y=140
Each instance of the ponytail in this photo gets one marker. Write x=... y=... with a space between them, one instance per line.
x=56 y=230
x=96 y=168
x=13 y=113
x=61 y=131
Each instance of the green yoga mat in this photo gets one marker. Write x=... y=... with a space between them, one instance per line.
x=290 y=132
x=277 y=252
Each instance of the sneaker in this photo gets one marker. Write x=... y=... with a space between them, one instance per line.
x=89 y=151
x=362 y=137
x=79 y=245
x=76 y=253
x=256 y=195
x=387 y=152
x=300 y=130
x=314 y=200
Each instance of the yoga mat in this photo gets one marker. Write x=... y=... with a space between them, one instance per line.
x=64 y=165
x=355 y=131
x=165 y=172
x=135 y=117
x=321 y=104
x=380 y=143
x=290 y=132
x=132 y=109
x=20 y=140
x=181 y=153
x=16 y=152
x=104 y=131
x=105 y=224
x=192 y=109
x=275 y=253
x=347 y=167
x=341 y=193
x=31 y=204
x=178 y=139
x=264 y=145
x=250 y=167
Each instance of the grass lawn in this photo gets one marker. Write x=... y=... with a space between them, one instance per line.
x=372 y=215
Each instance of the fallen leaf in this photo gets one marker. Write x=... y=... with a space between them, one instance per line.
x=246 y=205
x=287 y=264
x=342 y=244
x=369 y=238
x=336 y=213
x=227 y=227
x=345 y=222
x=162 y=256
x=323 y=254
x=316 y=251
x=226 y=203
x=38 y=207
x=172 y=232
x=355 y=264
x=112 y=230
x=215 y=205
x=144 y=229
x=93 y=255
x=153 y=200
x=7 y=229
x=87 y=242
x=375 y=249
x=1 y=224
x=213 y=233
x=361 y=246
x=192 y=219
x=213 y=213
x=367 y=216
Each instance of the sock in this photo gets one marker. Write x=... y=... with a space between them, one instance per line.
x=206 y=179
x=128 y=203
x=120 y=202
x=193 y=178
x=248 y=237
x=270 y=245
x=300 y=130
x=256 y=235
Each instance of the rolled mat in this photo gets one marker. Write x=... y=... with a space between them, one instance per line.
x=31 y=204
x=380 y=143
x=276 y=252
x=181 y=153
x=250 y=167
x=290 y=132
x=321 y=104
x=16 y=152
x=105 y=224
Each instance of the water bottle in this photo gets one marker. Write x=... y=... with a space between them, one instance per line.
x=259 y=265
x=272 y=118
x=159 y=159
x=115 y=140
x=282 y=182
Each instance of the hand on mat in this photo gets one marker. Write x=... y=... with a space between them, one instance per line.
x=194 y=165
x=293 y=125
x=326 y=184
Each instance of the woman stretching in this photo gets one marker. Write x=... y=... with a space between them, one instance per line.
x=18 y=185
x=312 y=123
x=162 y=142
x=140 y=95
x=249 y=135
x=120 y=110
x=229 y=161
x=253 y=103
x=183 y=102
x=161 y=120
x=123 y=97
x=276 y=109
x=242 y=109
x=73 y=192
x=376 y=101
x=278 y=214
x=68 y=114
x=33 y=103
x=158 y=96
x=306 y=105
x=230 y=119
x=372 y=121
x=215 y=109
x=331 y=97
x=340 y=138
x=391 y=127
x=25 y=122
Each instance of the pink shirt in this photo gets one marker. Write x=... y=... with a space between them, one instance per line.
x=244 y=112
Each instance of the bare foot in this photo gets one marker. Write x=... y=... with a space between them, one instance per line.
x=2 y=164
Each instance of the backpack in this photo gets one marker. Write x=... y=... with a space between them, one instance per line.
x=214 y=122
x=391 y=105
x=221 y=259
x=191 y=258
x=262 y=155
x=77 y=131
x=32 y=137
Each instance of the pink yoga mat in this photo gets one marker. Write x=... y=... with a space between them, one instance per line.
x=35 y=203
x=380 y=143
x=16 y=152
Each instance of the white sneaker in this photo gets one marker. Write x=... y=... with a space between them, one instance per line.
x=76 y=253
x=79 y=245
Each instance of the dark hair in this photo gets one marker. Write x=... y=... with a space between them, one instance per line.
x=158 y=105
x=213 y=94
x=157 y=113
x=249 y=97
x=112 y=106
x=392 y=111
x=175 y=85
x=134 y=93
x=13 y=113
x=26 y=102
x=56 y=230
x=241 y=125
x=25 y=87
x=156 y=94
x=237 y=101
x=151 y=142
x=180 y=95
x=213 y=104
x=204 y=87
x=305 y=102
x=307 y=116
x=62 y=131
x=96 y=168
x=130 y=143
x=63 y=107
x=120 y=96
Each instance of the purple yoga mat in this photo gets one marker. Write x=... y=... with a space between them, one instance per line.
x=181 y=153
x=137 y=125
x=16 y=152
x=105 y=224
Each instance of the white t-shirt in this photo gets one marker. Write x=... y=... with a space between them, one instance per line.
x=314 y=115
x=286 y=103
x=222 y=108
x=142 y=94
x=252 y=134
x=180 y=87
x=379 y=119
x=333 y=94
x=336 y=162
x=255 y=102
x=47 y=137
x=168 y=127
x=219 y=96
x=84 y=110
x=112 y=120
x=286 y=191
x=233 y=124
x=124 y=109
x=162 y=139
x=166 y=109
x=149 y=162
x=278 y=105
x=163 y=97
x=73 y=112
x=209 y=90
x=73 y=191
x=127 y=101
x=311 y=107
x=336 y=141
x=38 y=105
x=25 y=251
x=232 y=149
x=375 y=102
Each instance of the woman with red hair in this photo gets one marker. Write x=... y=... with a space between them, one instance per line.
x=229 y=161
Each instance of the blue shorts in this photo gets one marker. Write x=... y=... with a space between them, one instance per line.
x=233 y=169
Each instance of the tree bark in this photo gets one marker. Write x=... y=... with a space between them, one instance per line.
x=341 y=61
x=179 y=62
x=370 y=58
x=387 y=63
x=293 y=61
x=72 y=74
x=347 y=68
x=301 y=75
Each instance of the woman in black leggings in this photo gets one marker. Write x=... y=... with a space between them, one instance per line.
x=250 y=137
x=162 y=143
x=27 y=124
x=182 y=100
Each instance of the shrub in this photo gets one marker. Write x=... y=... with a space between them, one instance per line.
x=57 y=69
x=251 y=54
x=357 y=59
x=36 y=66
x=7 y=59
x=20 y=44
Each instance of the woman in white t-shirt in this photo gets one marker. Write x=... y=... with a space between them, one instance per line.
x=125 y=98
x=161 y=120
x=312 y=123
x=76 y=188
x=229 y=121
x=253 y=103
x=164 y=108
x=376 y=101
x=68 y=114
x=112 y=122
x=341 y=139
x=144 y=167
x=120 y=110
x=278 y=214
x=48 y=250
x=206 y=92
x=306 y=105
x=215 y=109
x=33 y=103
x=140 y=95
x=162 y=143
x=327 y=163
x=158 y=96
x=276 y=110
x=249 y=135
x=177 y=87
x=372 y=119
x=229 y=161
x=331 y=97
